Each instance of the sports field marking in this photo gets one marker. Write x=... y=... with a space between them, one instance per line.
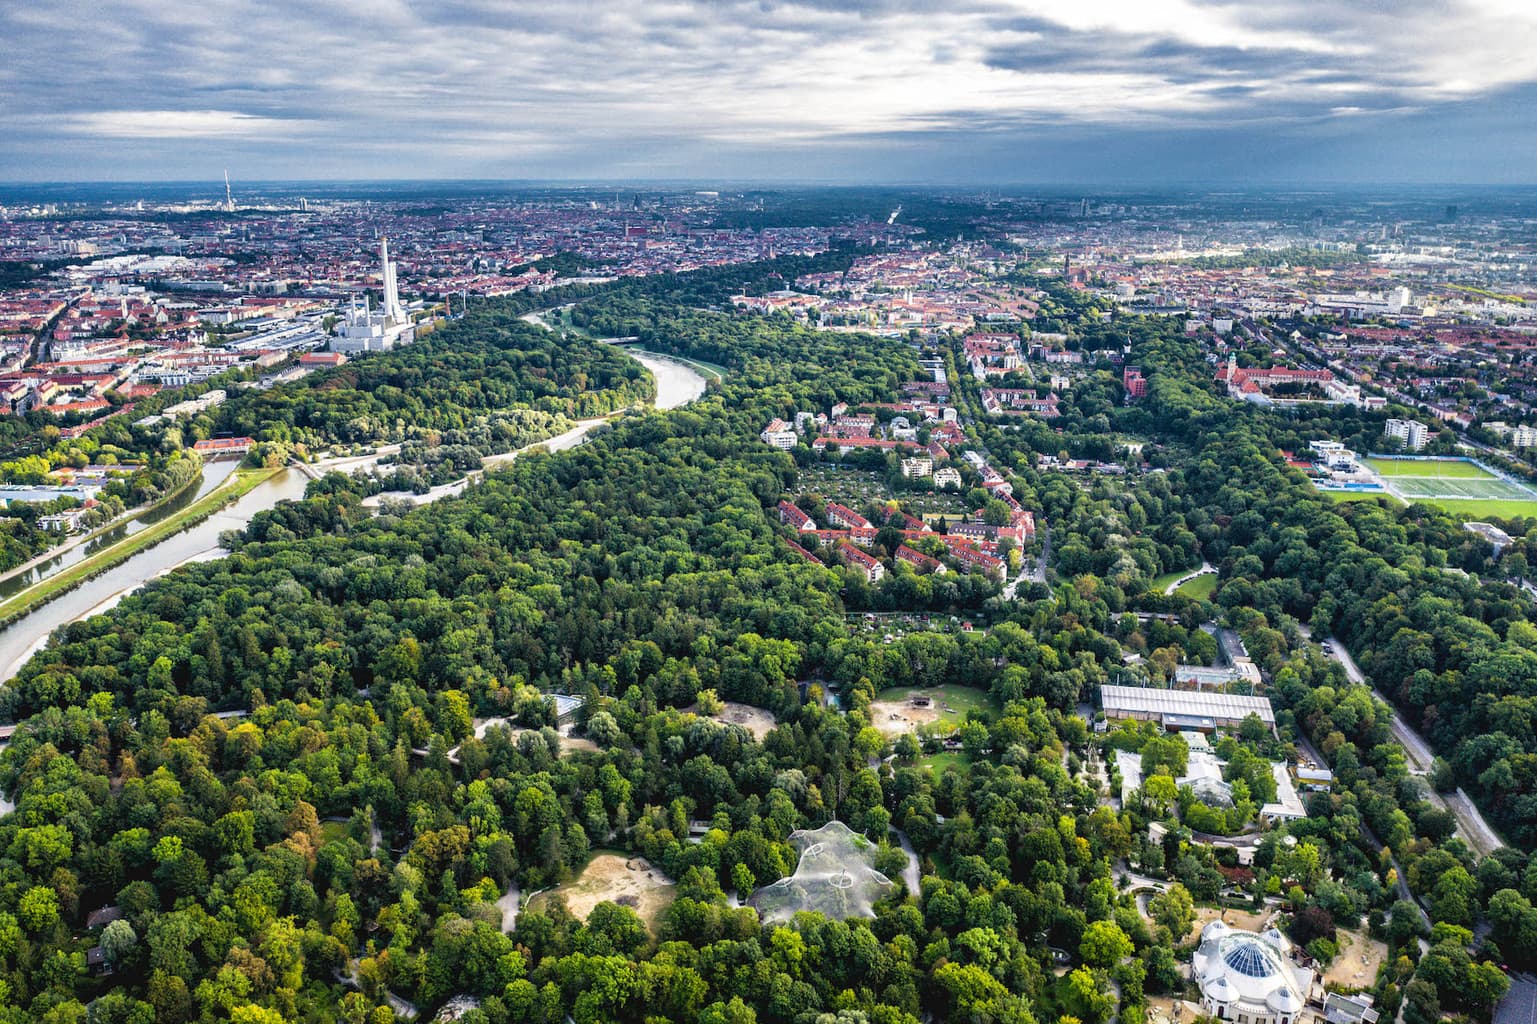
x=1475 y=510
x=1484 y=489
x=1440 y=469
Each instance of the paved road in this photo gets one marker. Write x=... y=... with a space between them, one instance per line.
x=1421 y=757
x=1471 y=824
x=1520 y=1004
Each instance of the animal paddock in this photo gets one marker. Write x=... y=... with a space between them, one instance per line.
x=613 y=878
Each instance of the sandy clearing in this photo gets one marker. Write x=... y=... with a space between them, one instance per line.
x=1359 y=960
x=898 y=717
x=629 y=881
x=1234 y=919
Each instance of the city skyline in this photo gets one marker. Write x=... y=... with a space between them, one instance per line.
x=984 y=93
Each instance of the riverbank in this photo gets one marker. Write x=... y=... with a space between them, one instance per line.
x=26 y=631
x=678 y=382
x=235 y=486
x=133 y=515
x=707 y=370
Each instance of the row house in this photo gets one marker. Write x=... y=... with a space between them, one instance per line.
x=935 y=390
x=868 y=564
x=918 y=560
x=844 y=443
x=980 y=561
x=823 y=538
x=852 y=426
x=808 y=556
x=794 y=518
x=842 y=515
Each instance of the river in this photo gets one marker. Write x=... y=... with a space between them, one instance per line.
x=676 y=384
x=214 y=474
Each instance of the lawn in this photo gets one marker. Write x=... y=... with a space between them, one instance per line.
x=1360 y=496
x=1161 y=583
x=944 y=759
x=1473 y=510
x=1199 y=588
x=1442 y=468
x=332 y=831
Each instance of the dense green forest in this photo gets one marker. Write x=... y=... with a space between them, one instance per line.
x=644 y=573
x=487 y=381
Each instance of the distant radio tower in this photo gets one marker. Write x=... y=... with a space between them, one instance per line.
x=229 y=197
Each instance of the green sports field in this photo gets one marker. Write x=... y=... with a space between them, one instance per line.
x=1419 y=488
x=1440 y=469
x=1473 y=510
x=1466 y=489
x=1360 y=495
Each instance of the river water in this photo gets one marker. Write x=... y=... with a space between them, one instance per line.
x=676 y=384
x=214 y=474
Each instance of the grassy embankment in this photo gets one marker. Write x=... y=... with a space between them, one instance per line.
x=239 y=483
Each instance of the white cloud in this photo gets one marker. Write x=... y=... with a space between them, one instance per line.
x=517 y=82
x=181 y=124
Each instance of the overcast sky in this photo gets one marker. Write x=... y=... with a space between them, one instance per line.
x=989 y=92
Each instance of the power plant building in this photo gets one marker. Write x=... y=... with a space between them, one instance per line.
x=367 y=330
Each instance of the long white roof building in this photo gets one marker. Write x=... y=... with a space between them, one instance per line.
x=1184 y=709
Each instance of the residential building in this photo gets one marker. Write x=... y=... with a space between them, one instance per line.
x=917 y=467
x=1412 y=433
x=842 y=515
x=870 y=566
x=975 y=560
x=779 y=434
x=918 y=560
x=949 y=476
x=1134 y=382
x=794 y=518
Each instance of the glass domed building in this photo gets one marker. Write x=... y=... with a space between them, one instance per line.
x=1249 y=978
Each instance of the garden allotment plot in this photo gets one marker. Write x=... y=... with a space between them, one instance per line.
x=1456 y=485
